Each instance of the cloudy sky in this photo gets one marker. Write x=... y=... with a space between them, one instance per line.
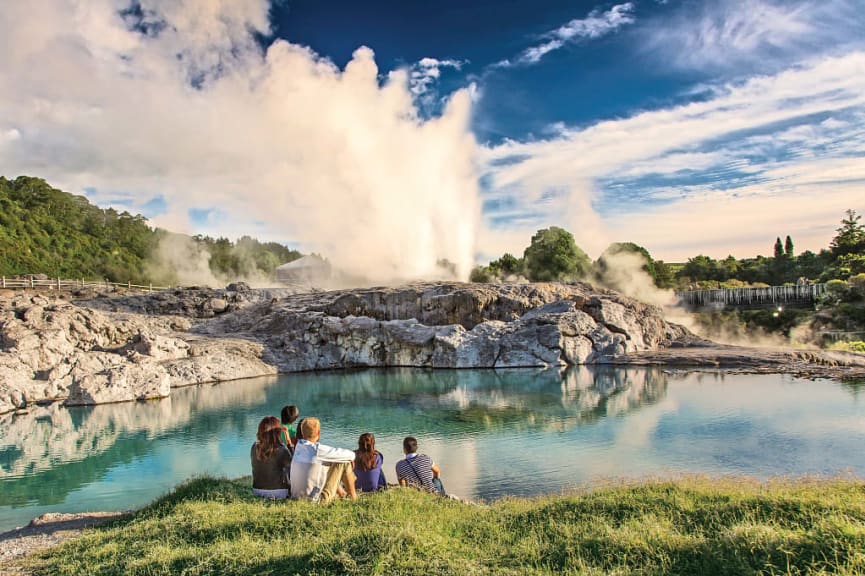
x=388 y=134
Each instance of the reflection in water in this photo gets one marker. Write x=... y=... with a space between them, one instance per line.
x=53 y=450
x=68 y=447
x=457 y=402
x=492 y=432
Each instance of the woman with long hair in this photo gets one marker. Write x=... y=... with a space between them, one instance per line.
x=271 y=461
x=367 y=465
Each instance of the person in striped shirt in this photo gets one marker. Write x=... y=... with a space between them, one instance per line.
x=418 y=470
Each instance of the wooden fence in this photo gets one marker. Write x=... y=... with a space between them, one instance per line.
x=799 y=295
x=33 y=283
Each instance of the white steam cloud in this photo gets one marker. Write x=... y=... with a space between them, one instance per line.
x=177 y=102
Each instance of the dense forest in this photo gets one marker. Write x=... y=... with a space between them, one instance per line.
x=46 y=231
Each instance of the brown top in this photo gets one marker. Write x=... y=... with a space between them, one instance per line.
x=270 y=474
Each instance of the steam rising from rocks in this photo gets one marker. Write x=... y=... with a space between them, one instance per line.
x=624 y=272
x=178 y=102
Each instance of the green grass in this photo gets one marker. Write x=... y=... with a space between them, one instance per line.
x=686 y=526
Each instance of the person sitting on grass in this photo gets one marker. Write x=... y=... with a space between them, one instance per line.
x=367 y=465
x=271 y=461
x=317 y=469
x=418 y=470
x=288 y=416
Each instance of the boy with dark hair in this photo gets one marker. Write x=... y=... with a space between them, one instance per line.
x=418 y=470
x=288 y=416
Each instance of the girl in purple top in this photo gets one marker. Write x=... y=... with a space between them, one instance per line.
x=367 y=465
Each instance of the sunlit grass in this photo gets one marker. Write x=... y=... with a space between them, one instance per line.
x=685 y=526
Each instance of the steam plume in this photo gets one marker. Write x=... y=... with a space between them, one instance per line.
x=178 y=102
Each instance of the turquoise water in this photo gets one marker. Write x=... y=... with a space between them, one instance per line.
x=493 y=433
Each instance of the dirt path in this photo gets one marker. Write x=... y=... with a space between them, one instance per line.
x=43 y=532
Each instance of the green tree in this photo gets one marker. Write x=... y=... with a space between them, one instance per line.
x=508 y=264
x=700 y=268
x=779 y=249
x=811 y=265
x=608 y=257
x=851 y=236
x=554 y=255
x=728 y=268
x=788 y=247
x=664 y=275
x=480 y=274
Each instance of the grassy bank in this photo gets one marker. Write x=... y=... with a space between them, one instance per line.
x=689 y=526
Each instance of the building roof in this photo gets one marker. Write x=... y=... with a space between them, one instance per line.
x=310 y=261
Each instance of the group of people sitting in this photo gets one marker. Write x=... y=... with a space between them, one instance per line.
x=288 y=461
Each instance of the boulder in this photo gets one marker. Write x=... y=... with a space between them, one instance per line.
x=121 y=384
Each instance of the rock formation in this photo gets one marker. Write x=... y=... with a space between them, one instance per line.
x=113 y=349
x=54 y=350
x=450 y=325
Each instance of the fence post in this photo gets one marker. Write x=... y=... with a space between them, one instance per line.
x=32 y=284
x=129 y=284
x=151 y=287
x=58 y=282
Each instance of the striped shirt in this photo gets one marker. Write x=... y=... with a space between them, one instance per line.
x=416 y=470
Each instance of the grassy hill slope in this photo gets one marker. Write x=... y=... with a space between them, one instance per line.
x=688 y=526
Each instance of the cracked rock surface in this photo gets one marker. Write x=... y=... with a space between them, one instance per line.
x=53 y=350
x=450 y=325
x=135 y=347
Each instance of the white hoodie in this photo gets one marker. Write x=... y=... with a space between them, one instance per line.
x=309 y=467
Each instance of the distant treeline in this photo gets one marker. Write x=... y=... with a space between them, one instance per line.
x=554 y=255
x=47 y=231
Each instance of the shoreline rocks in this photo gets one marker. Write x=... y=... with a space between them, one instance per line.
x=53 y=350
x=128 y=348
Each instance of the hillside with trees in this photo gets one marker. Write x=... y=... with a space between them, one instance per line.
x=47 y=231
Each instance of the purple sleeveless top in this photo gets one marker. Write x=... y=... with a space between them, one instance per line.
x=371 y=480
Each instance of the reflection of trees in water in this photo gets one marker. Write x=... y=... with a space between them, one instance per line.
x=52 y=449
x=457 y=402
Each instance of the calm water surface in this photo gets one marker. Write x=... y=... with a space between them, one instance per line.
x=493 y=433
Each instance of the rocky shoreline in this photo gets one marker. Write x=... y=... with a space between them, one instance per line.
x=87 y=348
x=45 y=532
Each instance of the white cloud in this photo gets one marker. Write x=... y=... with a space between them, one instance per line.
x=595 y=25
x=753 y=34
x=426 y=72
x=789 y=138
x=180 y=101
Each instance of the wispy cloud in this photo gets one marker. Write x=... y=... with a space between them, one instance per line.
x=765 y=147
x=752 y=34
x=595 y=25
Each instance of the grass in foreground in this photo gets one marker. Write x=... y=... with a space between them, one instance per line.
x=689 y=526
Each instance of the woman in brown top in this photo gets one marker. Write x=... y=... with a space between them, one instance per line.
x=271 y=461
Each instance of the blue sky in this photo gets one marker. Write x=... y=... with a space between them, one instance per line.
x=686 y=126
